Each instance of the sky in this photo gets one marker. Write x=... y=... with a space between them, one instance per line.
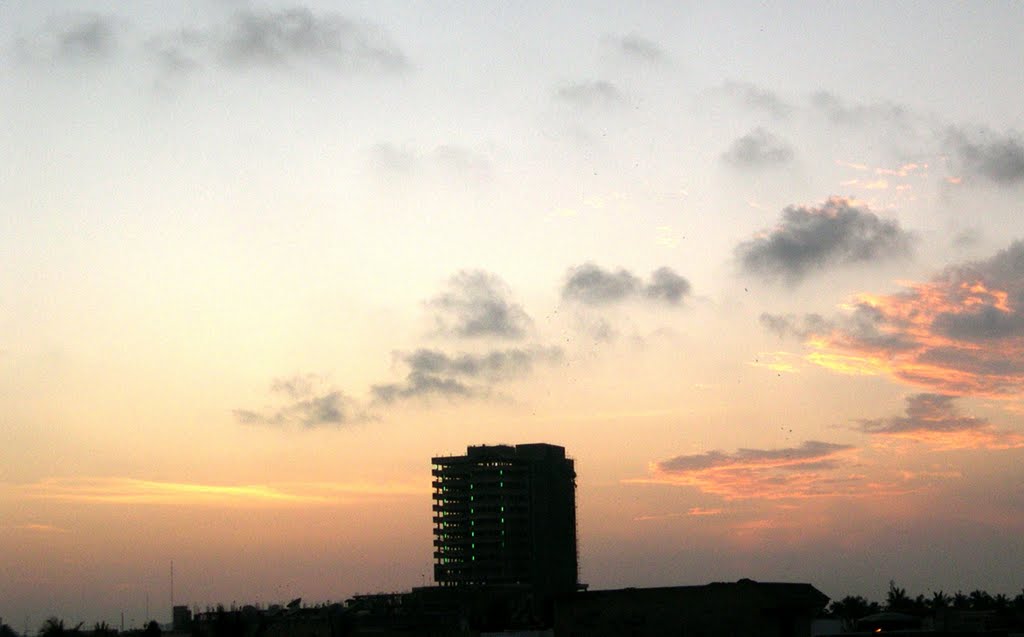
x=759 y=270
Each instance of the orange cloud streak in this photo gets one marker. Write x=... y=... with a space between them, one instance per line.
x=961 y=333
x=121 y=490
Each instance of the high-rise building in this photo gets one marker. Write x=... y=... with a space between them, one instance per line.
x=506 y=516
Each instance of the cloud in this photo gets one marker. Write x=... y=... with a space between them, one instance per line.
x=435 y=373
x=279 y=39
x=934 y=419
x=961 y=333
x=476 y=304
x=293 y=35
x=41 y=528
x=639 y=48
x=73 y=37
x=180 y=52
x=758 y=149
x=999 y=159
x=595 y=93
x=811 y=451
x=839 y=111
x=667 y=286
x=307 y=405
x=134 y=491
x=591 y=285
x=794 y=472
x=392 y=159
x=809 y=239
x=756 y=98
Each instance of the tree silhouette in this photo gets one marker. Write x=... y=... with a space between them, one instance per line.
x=961 y=601
x=939 y=600
x=981 y=600
x=103 y=629
x=851 y=608
x=897 y=599
x=54 y=627
x=152 y=629
x=7 y=631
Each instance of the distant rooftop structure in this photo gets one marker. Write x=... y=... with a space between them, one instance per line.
x=506 y=516
x=745 y=607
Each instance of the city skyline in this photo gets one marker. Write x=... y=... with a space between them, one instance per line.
x=759 y=270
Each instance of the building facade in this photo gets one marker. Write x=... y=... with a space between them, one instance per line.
x=506 y=516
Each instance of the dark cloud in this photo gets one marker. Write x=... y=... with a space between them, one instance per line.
x=925 y=412
x=961 y=333
x=180 y=52
x=73 y=37
x=840 y=111
x=294 y=35
x=667 y=286
x=758 y=149
x=592 y=285
x=934 y=419
x=435 y=373
x=756 y=98
x=999 y=159
x=809 y=239
x=477 y=304
x=985 y=323
x=640 y=48
x=418 y=385
x=792 y=458
x=596 y=93
x=279 y=39
x=306 y=405
x=806 y=471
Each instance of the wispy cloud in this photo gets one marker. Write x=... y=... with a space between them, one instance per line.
x=36 y=527
x=935 y=420
x=435 y=373
x=289 y=38
x=755 y=98
x=306 y=403
x=809 y=239
x=73 y=37
x=841 y=111
x=125 y=490
x=982 y=153
x=692 y=512
x=758 y=149
x=638 y=48
x=961 y=333
x=591 y=94
x=806 y=471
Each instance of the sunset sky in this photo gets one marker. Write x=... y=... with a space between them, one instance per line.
x=760 y=271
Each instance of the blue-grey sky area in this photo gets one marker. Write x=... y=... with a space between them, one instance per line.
x=759 y=269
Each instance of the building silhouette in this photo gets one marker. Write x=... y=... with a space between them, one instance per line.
x=505 y=516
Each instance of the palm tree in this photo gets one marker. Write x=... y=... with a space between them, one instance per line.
x=939 y=600
x=851 y=608
x=981 y=600
x=52 y=627
x=897 y=598
x=961 y=601
x=103 y=629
